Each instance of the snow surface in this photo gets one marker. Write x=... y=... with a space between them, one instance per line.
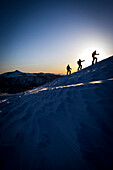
x=65 y=124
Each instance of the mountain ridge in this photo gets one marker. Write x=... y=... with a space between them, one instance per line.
x=17 y=81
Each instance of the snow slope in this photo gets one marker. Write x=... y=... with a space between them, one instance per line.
x=65 y=124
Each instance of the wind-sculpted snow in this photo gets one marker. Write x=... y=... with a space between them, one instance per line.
x=65 y=124
x=36 y=90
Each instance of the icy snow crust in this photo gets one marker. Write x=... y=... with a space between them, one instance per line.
x=65 y=124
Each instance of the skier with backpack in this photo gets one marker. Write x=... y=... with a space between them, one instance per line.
x=79 y=64
x=94 y=58
x=68 y=69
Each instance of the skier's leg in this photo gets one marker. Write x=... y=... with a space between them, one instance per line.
x=93 y=61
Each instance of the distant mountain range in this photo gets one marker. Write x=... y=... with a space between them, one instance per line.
x=17 y=81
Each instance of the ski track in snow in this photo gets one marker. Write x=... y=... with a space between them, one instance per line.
x=65 y=124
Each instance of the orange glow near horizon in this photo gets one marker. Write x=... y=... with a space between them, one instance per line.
x=58 y=69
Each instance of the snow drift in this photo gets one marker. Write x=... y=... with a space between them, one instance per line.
x=65 y=124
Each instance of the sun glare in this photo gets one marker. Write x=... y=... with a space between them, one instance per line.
x=87 y=55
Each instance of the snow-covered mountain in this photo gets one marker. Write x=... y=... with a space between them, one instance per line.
x=63 y=125
x=16 y=73
x=14 y=82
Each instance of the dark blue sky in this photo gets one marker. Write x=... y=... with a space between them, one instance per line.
x=46 y=35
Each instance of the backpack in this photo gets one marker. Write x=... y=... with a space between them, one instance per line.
x=78 y=62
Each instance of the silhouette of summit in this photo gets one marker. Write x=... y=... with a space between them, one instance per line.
x=17 y=81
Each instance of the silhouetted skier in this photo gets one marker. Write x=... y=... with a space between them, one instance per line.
x=94 y=58
x=79 y=64
x=68 y=69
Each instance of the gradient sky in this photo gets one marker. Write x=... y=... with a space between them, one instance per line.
x=46 y=35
